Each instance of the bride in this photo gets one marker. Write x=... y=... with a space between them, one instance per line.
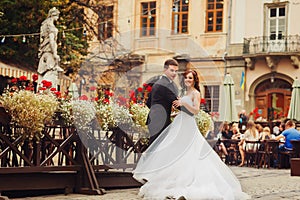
x=180 y=164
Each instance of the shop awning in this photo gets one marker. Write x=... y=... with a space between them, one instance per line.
x=13 y=71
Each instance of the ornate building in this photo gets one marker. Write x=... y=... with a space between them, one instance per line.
x=256 y=41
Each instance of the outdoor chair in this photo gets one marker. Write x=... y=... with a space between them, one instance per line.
x=296 y=148
x=268 y=153
x=284 y=158
x=295 y=161
x=251 y=153
x=233 y=151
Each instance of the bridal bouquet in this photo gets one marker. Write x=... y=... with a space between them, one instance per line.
x=203 y=120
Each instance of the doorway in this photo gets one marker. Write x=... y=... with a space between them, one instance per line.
x=272 y=99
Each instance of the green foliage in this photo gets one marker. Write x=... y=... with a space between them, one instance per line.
x=26 y=16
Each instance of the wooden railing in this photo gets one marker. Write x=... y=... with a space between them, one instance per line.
x=63 y=151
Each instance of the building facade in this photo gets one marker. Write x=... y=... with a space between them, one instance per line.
x=256 y=41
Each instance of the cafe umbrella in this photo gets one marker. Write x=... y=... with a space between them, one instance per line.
x=294 y=110
x=227 y=106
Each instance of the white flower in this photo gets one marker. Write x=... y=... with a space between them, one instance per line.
x=30 y=111
x=104 y=116
x=139 y=114
x=203 y=120
x=83 y=112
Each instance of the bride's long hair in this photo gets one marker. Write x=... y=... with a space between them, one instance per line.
x=196 y=79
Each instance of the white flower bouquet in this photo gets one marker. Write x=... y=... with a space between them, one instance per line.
x=30 y=111
x=203 y=120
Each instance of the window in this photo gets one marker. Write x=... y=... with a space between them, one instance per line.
x=277 y=23
x=214 y=15
x=148 y=18
x=212 y=97
x=105 y=28
x=180 y=16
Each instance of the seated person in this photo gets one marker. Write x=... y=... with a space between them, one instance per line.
x=235 y=131
x=224 y=133
x=266 y=134
x=290 y=133
x=251 y=134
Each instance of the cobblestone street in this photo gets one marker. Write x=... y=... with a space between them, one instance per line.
x=265 y=184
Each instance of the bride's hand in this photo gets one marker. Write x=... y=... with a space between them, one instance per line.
x=177 y=103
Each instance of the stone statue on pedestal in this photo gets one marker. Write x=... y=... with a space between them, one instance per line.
x=48 y=68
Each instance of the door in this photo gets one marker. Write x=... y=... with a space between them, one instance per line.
x=273 y=103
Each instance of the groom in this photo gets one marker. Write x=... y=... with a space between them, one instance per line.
x=164 y=92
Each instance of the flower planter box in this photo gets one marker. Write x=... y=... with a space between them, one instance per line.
x=295 y=167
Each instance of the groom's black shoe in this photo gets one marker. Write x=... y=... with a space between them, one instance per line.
x=181 y=198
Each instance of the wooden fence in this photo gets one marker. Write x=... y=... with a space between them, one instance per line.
x=65 y=159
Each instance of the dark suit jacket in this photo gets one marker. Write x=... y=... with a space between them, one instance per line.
x=163 y=94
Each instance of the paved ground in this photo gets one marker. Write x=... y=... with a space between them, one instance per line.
x=265 y=184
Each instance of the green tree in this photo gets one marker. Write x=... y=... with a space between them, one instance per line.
x=19 y=17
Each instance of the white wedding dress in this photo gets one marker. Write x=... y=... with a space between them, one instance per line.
x=181 y=163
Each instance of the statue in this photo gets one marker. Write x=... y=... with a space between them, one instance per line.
x=48 y=68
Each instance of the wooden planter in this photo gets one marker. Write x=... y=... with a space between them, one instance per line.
x=295 y=167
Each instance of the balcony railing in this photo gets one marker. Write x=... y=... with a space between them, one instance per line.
x=265 y=44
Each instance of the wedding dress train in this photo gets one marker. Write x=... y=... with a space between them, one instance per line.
x=181 y=163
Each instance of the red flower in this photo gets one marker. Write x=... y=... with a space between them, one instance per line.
x=145 y=85
x=57 y=93
x=106 y=92
x=14 y=80
x=53 y=89
x=255 y=110
x=149 y=88
x=140 y=89
x=83 y=97
x=47 y=84
x=202 y=101
x=93 y=88
x=94 y=99
x=133 y=99
x=29 y=88
x=131 y=93
x=35 y=77
x=42 y=88
x=23 y=78
x=106 y=101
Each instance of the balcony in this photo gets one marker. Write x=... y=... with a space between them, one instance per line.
x=289 y=45
x=272 y=49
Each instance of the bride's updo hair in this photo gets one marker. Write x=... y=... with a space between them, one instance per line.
x=196 y=78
